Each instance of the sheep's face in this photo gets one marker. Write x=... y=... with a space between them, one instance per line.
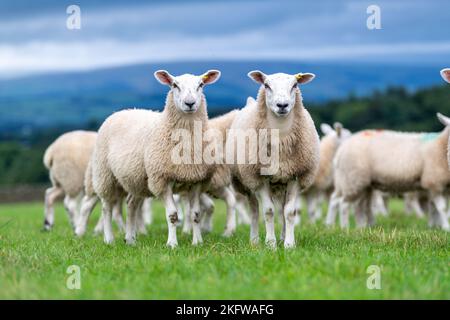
x=187 y=89
x=445 y=73
x=280 y=89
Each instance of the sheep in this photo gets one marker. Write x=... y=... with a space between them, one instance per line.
x=323 y=183
x=278 y=111
x=445 y=73
x=67 y=159
x=393 y=162
x=220 y=185
x=136 y=154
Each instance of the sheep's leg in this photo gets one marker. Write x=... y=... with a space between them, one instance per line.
x=147 y=211
x=279 y=207
x=140 y=221
x=369 y=210
x=378 y=206
x=230 y=200
x=87 y=205
x=254 y=226
x=117 y=215
x=268 y=210
x=187 y=226
x=344 y=212
x=416 y=207
x=360 y=212
x=298 y=210
x=99 y=226
x=318 y=208
x=332 y=209
x=196 y=215
x=133 y=210
x=107 y=223
x=441 y=213
x=289 y=213
x=311 y=203
x=171 y=217
x=51 y=195
x=178 y=203
x=207 y=207
x=242 y=213
x=71 y=206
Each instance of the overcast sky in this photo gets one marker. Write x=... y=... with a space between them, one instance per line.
x=34 y=37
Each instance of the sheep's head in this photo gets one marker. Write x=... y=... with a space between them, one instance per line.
x=187 y=89
x=280 y=89
x=337 y=130
x=445 y=73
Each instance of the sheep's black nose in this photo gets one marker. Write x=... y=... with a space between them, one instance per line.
x=189 y=104
x=282 y=106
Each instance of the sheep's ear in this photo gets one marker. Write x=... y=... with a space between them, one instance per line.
x=257 y=76
x=251 y=100
x=338 y=128
x=443 y=119
x=326 y=128
x=164 y=77
x=445 y=73
x=303 y=78
x=211 y=76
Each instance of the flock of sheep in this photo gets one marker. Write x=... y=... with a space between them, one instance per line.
x=131 y=158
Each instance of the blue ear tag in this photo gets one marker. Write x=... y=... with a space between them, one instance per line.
x=429 y=136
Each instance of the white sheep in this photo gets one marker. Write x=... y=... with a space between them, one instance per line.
x=394 y=162
x=296 y=155
x=136 y=154
x=323 y=183
x=67 y=159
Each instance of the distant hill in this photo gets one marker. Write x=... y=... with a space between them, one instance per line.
x=77 y=98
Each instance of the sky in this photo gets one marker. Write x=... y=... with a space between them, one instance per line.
x=34 y=37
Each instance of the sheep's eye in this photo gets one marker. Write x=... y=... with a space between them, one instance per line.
x=295 y=86
x=267 y=86
x=174 y=85
x=200 y=85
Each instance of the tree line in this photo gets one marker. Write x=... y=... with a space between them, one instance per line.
x=394 y=108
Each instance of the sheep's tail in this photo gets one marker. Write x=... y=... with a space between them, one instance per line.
x=48 y=158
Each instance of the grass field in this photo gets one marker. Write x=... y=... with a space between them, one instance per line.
x=327 y=263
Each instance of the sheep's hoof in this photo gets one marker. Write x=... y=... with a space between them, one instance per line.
x=228 y=233
x=130 y=242
x=108 y=241
x=186 y=231
x=207 y=228
x=271 y=243
x=79 y=233
x=254 y=242
x=47 y=226
x=172 y=244
x=289 y=245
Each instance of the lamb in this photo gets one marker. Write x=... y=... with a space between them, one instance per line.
x=279 y=111
x=393 y=162
x=136 y=154
x=67 y=159
x=323 y=184
x=445 y=73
